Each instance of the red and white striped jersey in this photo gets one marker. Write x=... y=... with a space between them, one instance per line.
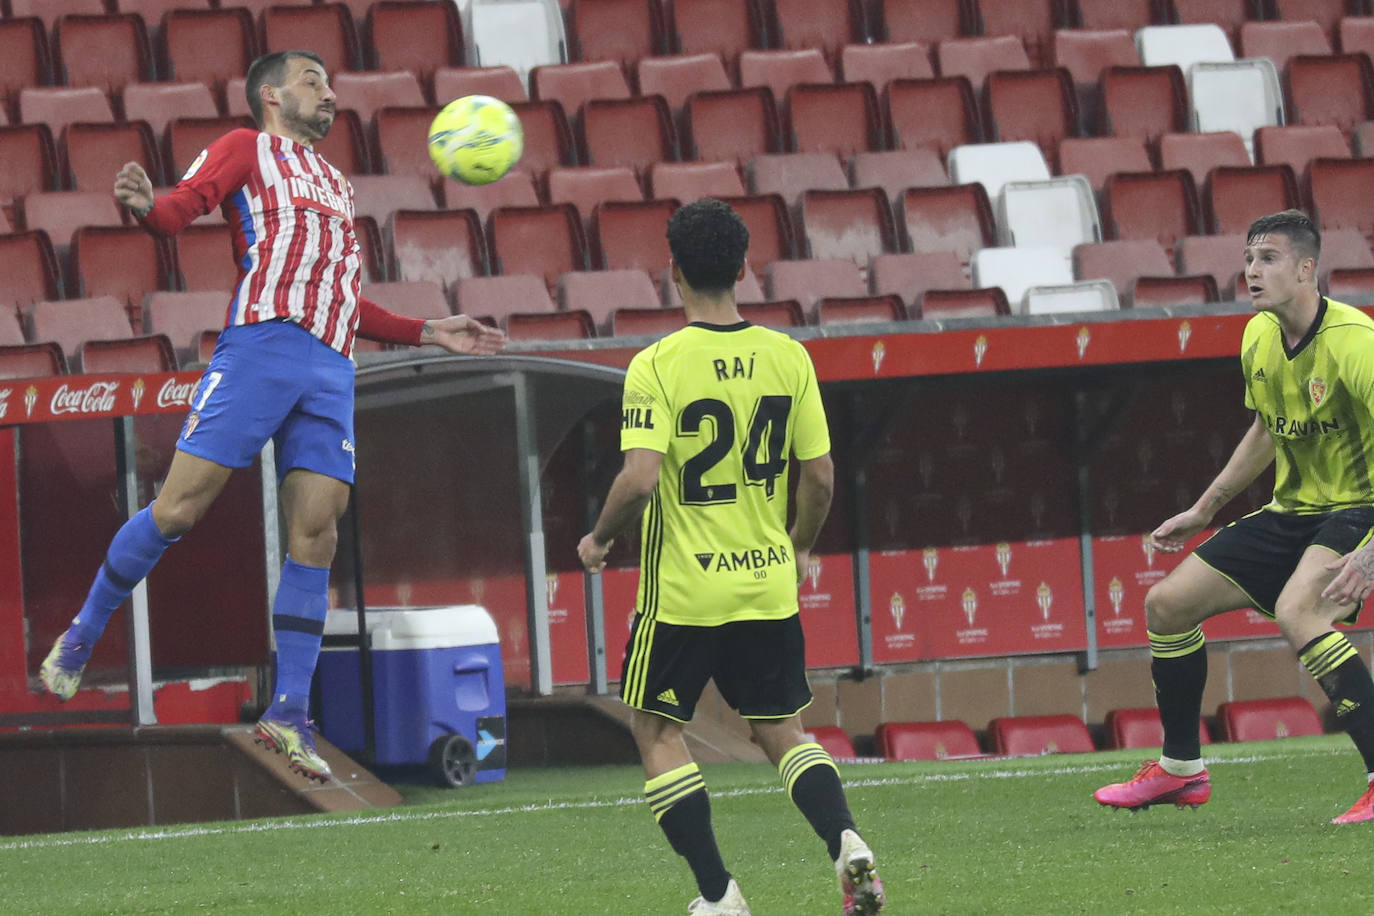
x=291 y=216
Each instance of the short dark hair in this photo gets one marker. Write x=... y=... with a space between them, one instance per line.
x=270 y=70
x=708 y=241
x=1302 y=233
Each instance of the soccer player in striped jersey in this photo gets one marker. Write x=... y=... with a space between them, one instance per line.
x=710 y=417
x=282 y=370
x=1308 y=364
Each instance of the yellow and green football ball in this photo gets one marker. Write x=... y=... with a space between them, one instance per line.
x=476 y=139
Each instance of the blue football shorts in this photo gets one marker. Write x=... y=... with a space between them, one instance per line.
x=274 y=380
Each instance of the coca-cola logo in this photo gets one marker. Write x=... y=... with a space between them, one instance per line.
x=98 y=397
x=174 y=392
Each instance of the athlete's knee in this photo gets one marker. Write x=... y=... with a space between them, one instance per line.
x=176 y=516
x=1167 y=611
x=314 y=544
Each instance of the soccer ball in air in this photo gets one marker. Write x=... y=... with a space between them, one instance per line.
x=476 y=139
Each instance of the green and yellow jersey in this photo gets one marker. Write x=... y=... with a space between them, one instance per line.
x=726 y=406
x=1317 y=401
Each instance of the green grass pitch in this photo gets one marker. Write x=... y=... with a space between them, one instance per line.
x=995 y=836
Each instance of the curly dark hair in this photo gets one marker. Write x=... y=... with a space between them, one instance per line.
x=1296 y=225
x=708 y=240
x=270 y=70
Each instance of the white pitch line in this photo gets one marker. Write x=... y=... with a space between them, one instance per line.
x=394 y=817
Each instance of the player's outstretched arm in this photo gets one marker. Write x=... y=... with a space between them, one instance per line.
x=1253 y=454
x=461 y=334
x=134 y=189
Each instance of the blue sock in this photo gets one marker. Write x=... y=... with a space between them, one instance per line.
x=298 y=624
x=135 y=550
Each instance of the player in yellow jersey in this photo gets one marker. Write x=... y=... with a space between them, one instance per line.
x=710 y=417
x=1309 y=378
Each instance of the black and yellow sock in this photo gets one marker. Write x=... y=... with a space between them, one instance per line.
x=1338 y=668
x=682 y=808
x=1178 y=666
x=813 y=781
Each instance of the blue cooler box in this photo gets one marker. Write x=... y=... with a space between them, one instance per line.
x=439 y=692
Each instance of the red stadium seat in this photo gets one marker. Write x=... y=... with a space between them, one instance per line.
x=957 y=219
x=402 y=142
x=1279 y=41
x=825 y=24
x=1117 y=14
x=372 y=252
x=126 y=263
x=549 y=326
x=843 y=119
x=628 y=235
x=1097 y=157
x=793 y=174
x=1129 y=728
x=159 y=103
x=1333 y=89
x=946 y=304
x=149 y=353
x=733 y=124
x=364 y=93
x=24 y=59
x=184 y=316
x=412 y=298
x=1085 y=54
x=1339 y=191
x=205 y=258
x=333 y=35
x=93 y=154
x=770 y=229
x=927 y=21
x=186 y=137
x=31 y=269
x=975 y=58
x=1263 y=720
x=1326 y=13
x=516 y=189
x=748 y=290
x=1144 y=102
x=1234 y=197
x=677 y=76
x=634 y=132
x=1149 y=292
x=1122 y=262
x=689 y=181
x=781 y=70
x=36 y=360
x=650 y=322
x=1296 y=145
x=1351 y=284
x=207 y=46
x=570 y=85
x=59 y=106
x=1200 y=153
x=61 y=213
x=937 y=114
x=896 y=170
x=49 y=11
x=1156 y=205
x=11 y=329
x=859 y=309
x=152 y=11
x=1229 y=14
x=28 y=162
x=500 y=82
x=1344 y=248
x=600 y=292
x=346 y=146
x=720 y=27
x=854 y=224
x=1037 y=106
x=441 y=246
x=1032 y=21
x=784 y=314
x=810 y=280
x=71 y=322
x=1220 y=257
x=880 y=64
x=1025 y=736
x=585 y=187
x=622 y=31
x=910 y=275
x=946 y=740
x=107 y=52
x=833 y=739
x=543 y=241
x=417 y=36
x=1355 y=35
x=548 y=136
x=497 y=297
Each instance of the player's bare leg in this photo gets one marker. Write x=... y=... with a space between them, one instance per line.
x=190 y=488
x=312 y=504
x=1308 y=623
x=1174 y=610
x=813 y=782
